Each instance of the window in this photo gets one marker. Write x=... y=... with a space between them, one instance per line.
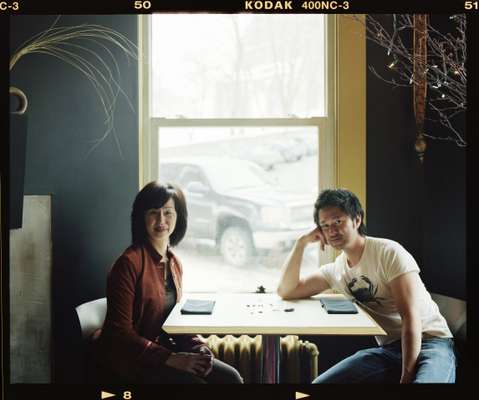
x=237 y=65
x=237 y=111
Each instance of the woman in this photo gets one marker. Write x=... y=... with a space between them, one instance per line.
x=143 y=286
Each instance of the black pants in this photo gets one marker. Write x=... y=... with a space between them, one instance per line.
x=220 y=373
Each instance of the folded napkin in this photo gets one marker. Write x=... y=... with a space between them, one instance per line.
x=198 y=306
x=338 y=306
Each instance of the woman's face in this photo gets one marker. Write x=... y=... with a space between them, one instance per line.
x=160 y=222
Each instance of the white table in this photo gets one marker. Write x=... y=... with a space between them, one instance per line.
x=264 y=314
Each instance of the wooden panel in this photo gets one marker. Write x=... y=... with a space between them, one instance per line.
x=30 y=293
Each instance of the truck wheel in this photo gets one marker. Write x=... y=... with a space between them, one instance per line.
x=236 y=246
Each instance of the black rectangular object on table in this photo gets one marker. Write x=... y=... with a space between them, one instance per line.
x=192 y=306
x=339 y=306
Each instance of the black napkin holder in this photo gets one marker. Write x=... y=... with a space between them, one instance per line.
x=338 y=306
x=200 y=307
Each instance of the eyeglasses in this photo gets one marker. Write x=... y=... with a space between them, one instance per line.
x=336 y=223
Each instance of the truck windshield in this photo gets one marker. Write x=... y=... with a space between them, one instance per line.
x=236 y=175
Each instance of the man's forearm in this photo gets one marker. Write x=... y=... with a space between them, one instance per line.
x=290 y=270
x=411 y=337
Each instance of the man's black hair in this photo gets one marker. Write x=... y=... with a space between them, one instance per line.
x=345 y=200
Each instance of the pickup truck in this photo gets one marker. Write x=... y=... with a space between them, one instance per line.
x=234 y=206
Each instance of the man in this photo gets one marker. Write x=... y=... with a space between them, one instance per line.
x=383 y=277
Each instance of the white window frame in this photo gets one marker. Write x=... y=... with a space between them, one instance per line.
x=326 y=126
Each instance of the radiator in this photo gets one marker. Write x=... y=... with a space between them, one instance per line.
x=299 y=359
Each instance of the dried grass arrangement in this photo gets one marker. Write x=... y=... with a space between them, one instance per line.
x=90 y=49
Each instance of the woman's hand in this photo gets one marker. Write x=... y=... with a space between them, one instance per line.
x=194 y=363
x=314 y=236
x=206 y=351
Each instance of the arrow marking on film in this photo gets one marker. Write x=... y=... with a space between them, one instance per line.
x=300 y=395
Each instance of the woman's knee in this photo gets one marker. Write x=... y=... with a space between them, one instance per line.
x=233 y=376
x=224 y=373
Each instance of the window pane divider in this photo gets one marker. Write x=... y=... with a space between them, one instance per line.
x=227 y=122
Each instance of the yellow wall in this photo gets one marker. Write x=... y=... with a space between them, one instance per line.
x=351 y=106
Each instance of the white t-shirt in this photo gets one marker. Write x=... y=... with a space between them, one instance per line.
x=368 y=283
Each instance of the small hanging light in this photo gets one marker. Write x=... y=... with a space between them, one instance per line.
x=392 y=64
x=420 y=146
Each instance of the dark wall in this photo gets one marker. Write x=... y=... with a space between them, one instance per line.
x=394 y=174
x=444 y=240
x=422 y=206
x=91 y=193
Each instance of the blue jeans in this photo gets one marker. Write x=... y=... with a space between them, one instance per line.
x=436 y=363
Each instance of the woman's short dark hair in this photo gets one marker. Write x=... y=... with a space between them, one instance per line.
x=155 y=195
x=345 y=200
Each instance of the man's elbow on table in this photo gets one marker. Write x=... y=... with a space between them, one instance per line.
x=284 y=293
x=281 y=293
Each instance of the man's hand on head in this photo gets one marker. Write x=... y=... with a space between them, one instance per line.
x=316 y=235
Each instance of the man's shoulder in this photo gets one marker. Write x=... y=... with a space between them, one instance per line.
x=391 y=253
x=383 y=244
x=337 y=264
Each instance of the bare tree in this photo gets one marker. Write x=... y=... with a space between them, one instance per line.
x=444 y=67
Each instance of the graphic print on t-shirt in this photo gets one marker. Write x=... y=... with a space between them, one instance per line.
x=363 y=290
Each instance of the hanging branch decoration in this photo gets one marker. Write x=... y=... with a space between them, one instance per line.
x=95 y=61
x=420 y=82
x=443 y=69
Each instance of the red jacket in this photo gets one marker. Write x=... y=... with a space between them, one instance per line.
x=135 y=296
